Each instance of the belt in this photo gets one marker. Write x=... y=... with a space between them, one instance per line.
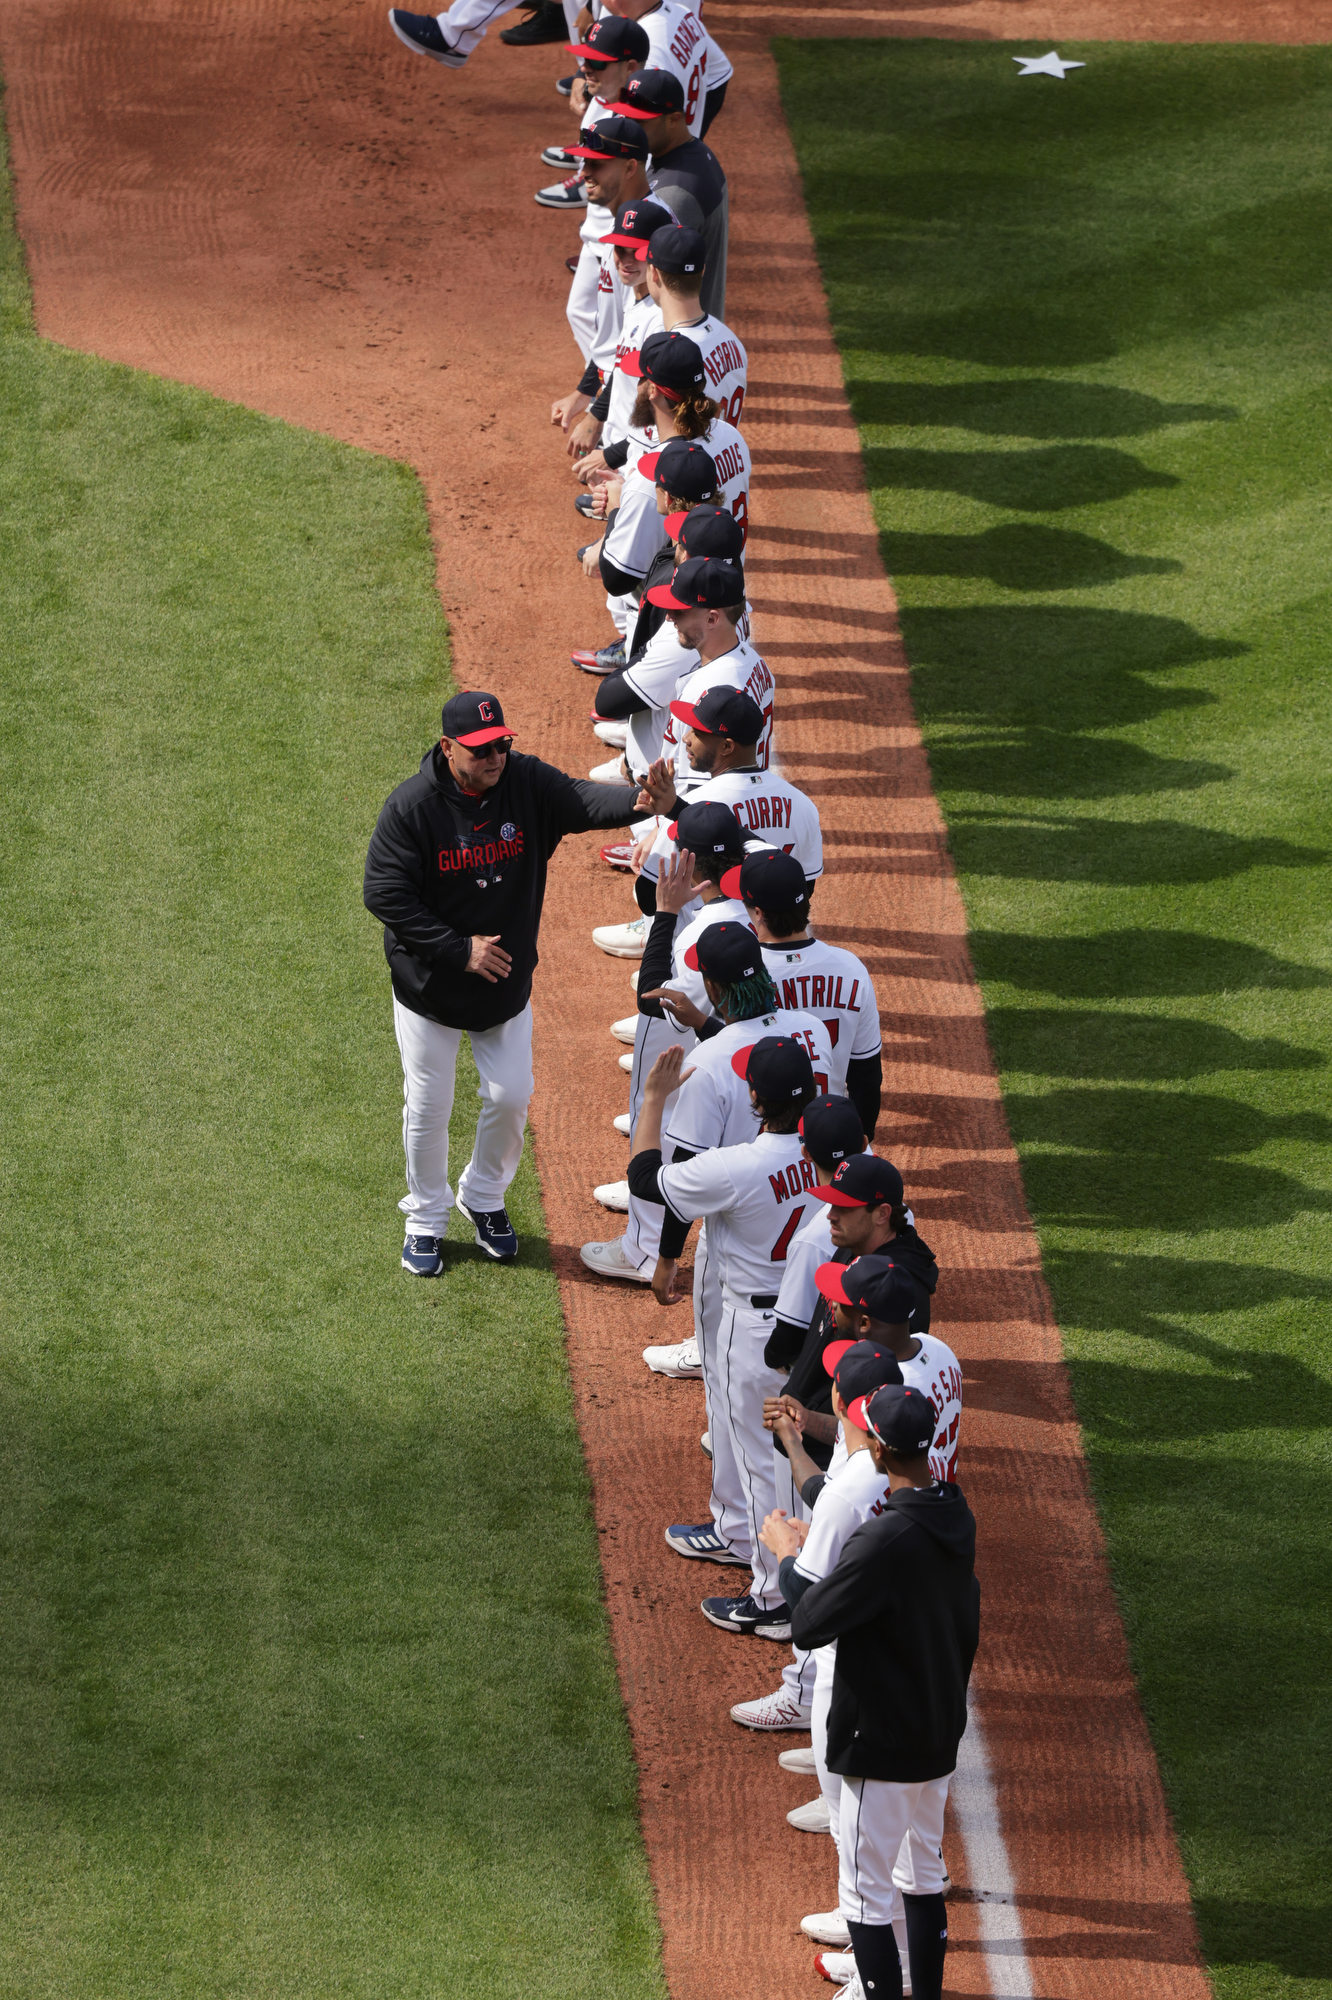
x=763 y=1301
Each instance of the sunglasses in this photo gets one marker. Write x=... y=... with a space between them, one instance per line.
x=499 y=748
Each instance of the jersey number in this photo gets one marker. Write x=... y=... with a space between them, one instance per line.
x=731 y=411
x=740 y=508
x=834 y=1028
x=695 y=85
x=783 y=1243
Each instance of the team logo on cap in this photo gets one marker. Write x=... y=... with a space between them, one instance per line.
x=485 y=711
x=841 y=1170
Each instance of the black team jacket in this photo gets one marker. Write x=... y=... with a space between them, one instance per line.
x=903 y=1605
x=445 y=866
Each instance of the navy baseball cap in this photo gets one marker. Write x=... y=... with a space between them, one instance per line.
x=726 y=952
x=864 y=1182
x=676 y=250
x=671 y=362
x=723 y=711
x=708 y=829
x=777 y=1067
x=612 y=40
x=611 y=139
x=682 y=468
x=471 y=719
x=700 y=581
x=873 y=1285
x=902 y=1419
x=768 y=879
x=634 y=220
x=858 y=1368
x=652 y=93
x=831 y=1130
x=707 y=531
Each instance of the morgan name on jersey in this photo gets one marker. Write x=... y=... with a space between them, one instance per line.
x=745 y=1192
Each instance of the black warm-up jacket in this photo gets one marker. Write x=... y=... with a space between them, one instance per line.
x=445 y=866
x=903 y=1605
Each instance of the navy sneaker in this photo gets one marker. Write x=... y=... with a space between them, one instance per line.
x=423 y=1256
x=704 y=1543
x=565 y=86
x=423 y=33
x=545 y=23
x=584 y=503
x=571 y=193
x=611 y=659
x=560 y=156
x=494 y=1232
x=741 y=1614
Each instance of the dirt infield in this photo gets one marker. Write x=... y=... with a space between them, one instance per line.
x=284 y=207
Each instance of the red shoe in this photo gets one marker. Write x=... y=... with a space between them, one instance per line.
x=587 y=663
x=617 y=856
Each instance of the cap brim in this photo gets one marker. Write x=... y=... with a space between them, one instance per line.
x=740 y=1062
x=730 y=884
x=629 y=364
x=483 y=736
x=836 y=1197
x=684 y=713
x=835 y=1349
x=647 y=464
x=856 y=1412
x=591 y=55
x=829 y=1279
x=691 y=958
x=674 y=523
x=632 y=111
x=661 y=594
x=590 y=153
x=623 y=243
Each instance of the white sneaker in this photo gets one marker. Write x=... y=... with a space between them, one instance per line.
x=775 y=1711
x=625 y=1030
x=633 y=981
x=705 y=1444
x=798 y=1760
x=609 y=1261
x=614 y=733
x=613 y=1194
x=827 y=1927
x=622 y=940
x=623 y=1124
x=811 y=1818
x=627 y=1061
x=680 y=1361
x=611 y=773
x=840 y=1968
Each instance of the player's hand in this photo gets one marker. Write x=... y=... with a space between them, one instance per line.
x=779 y=1535
x=487 y=960
x=664 y=1078
x=666 y=1282
x=566 y=408
x=584 y=22
x=779 y=1409
x=675 y=882
x=585 y=468
x=584 y=437
x=640 y=848
x=681 y=1008
x=659 y=788
x=592 y=560
x=581 y=94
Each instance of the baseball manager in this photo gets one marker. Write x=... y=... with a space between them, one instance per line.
x=456 y=873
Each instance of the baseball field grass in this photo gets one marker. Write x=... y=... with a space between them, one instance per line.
x=304 y=1671
x=1084 y=326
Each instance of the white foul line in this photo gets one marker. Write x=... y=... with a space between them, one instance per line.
x=988 y=1868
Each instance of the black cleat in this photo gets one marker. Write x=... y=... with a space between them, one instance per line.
x=545 y=23
x=422 y=32
x=495 y=1234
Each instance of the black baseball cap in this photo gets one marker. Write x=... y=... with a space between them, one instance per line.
x=612 y=40
x=471 y=719
x=863 y=1182
x=726 y=952
x=683 y=468
x=768 y=879
x=652 y=93
x=707 y=531
x=611 y=139
x=831 y=1130
x=777 y=1067
x=634 y=220
x=671 y=362
x=700 y=581
x=723 y=711
x=858 y=1368
x=903 y=1419
x=874 y=1285
x=675 y=249
x=706 y=828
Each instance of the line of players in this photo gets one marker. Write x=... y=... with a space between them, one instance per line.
x=832 y=1411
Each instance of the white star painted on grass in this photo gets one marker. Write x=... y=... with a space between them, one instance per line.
x=1051 y=65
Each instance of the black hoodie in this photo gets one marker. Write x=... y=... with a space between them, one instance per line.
x=446 y=865
x=903 y=1605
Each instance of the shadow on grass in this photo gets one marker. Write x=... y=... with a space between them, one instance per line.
x=1029 y=482
x=1139 y=964
x=1042 y=764
x=1020 y=555
x=1040 y=407
x=1110 y=1047
x=1114 y=853
x=1294 y=1939
x=1114 y=1291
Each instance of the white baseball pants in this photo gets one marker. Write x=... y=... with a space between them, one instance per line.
x=889 y=1838
x=798 y=1673
x=642 y=1235
x=581 y=311
x=465 y=23
x=429 y=1057
x=730 y=1512
x=744 y=1379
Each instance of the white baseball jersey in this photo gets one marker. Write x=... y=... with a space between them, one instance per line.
x=611 y=296
x=725 y=360
x=823 y=979
x=642 y=318
x=713 y=1106
x=811 y=1246
x=654 y=679
x=771 y=811
x=742 y=667
x=746 y=1192
x=730 y=454
x=935 y=1371
x=678 y=41
x=850 y=1496
x=722 y=910
x=638 y=531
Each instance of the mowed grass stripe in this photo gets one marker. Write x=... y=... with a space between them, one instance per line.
x=304 y=1666
x=1084 y=331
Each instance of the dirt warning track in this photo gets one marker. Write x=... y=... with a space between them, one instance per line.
x=284 y=207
